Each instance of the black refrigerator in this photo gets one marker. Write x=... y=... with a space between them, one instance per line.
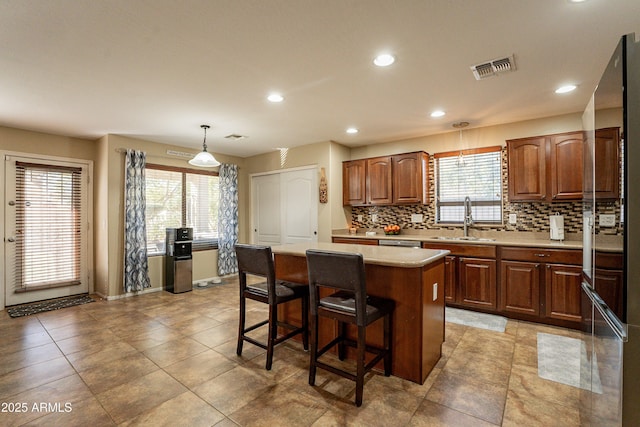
x=610 y=372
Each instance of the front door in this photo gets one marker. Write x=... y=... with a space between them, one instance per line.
x=46 y=229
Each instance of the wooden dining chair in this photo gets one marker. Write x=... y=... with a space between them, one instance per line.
x=258 y=261
x=345 y=273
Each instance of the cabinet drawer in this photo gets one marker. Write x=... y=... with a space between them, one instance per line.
x=609 y=260
x=482 y=251
x=559 y=256
x=355 y=241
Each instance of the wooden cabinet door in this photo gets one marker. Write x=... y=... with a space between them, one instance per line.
x=354 y=241
x=527 y=169
x=379 y=185
x=607 y=160
x=566 y=166
x=609 y=286
x=563 y=292
x=477 y=279
x=520 y=287
x=450 y=279
x=354 y=175
x=410 y=178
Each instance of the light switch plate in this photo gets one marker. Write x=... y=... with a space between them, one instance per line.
x=607 y=220
x=416 y=217
x=435 y=291
x=374 y=217
x=359 y=218
x=513 y=218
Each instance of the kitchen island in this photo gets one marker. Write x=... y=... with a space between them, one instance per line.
x=412 y=277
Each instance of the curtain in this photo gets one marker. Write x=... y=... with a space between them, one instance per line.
x=136 y=268
x=227 y=219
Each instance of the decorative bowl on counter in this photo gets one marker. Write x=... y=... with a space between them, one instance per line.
x=391 y=230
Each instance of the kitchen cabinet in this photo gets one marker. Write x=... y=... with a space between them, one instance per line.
x=386 y=180
x=607 y=159
x=470 y=275
x=355 y=241
x=541 y=284
x=608 y=279
x=545 y=168
x=411 y=178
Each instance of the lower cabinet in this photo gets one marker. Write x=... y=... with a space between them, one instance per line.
x=542 y=285
x=450 y=279
x=355 y=241
x=478 y=282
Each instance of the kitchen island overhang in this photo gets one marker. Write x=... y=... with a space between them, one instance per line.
x=412 y=277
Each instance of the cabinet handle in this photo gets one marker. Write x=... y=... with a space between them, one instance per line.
x=541 y=255
x=537 y=266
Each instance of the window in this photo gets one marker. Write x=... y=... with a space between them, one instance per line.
x=181 y=198
x=473 y=173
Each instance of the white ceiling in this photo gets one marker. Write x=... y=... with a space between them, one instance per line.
x=158 y=69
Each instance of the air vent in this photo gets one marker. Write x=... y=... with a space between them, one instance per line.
x=494 y=67
x=235 y=137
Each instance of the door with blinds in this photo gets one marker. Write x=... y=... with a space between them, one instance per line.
x=46 y=229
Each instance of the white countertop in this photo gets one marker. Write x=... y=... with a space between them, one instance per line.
x=380 y=255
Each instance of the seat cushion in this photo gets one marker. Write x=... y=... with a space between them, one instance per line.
x=283 y=289
x=345 y=301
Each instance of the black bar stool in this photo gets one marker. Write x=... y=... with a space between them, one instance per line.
x=345 y=272
x=258 y=261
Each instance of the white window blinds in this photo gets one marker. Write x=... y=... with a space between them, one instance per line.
x=48 y=226
x=476 y=175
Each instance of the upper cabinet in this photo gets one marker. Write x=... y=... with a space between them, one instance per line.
x=607 y=159
x=546 y=168
x=386 y=180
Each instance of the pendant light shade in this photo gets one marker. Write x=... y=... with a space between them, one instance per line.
x=204 y=158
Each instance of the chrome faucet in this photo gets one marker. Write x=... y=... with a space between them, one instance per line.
x=468 y=219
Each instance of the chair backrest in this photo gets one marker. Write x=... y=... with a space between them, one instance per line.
x=256 y=260
x=338 y=270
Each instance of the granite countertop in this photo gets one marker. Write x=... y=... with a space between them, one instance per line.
x=380 y=255
x=495 y=238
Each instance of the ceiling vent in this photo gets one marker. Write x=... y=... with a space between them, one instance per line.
x=494 y=67
x=235 y=137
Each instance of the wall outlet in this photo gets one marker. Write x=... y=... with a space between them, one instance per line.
x=416 y=217
x=435 y=291
x=607 y=220
x=359 y=218
x=374 y=217
x=513 y=219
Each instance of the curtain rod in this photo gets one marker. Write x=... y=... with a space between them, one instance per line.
x=171 y=154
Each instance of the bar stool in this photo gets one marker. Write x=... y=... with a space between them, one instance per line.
x=345 y=272
x=258 y=261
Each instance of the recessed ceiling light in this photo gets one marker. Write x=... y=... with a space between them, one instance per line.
x=352 y=130
x=437 y=113
x=566 y=89
x=384 y=60
x=577 y=1
x=275 y=97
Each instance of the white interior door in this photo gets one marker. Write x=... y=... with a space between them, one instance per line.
x=285 y=207
x=46 y=214
x=265 y=193
x=299 y=207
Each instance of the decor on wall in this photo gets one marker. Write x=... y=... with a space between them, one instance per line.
x=228 y=219
x=324 y=197
x=136 y=268
x=204 y=158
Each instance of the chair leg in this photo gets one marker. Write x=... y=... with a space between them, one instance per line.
x=241 y=325
x=313 y=354
x=305 y=323
x=342 y=333
x=387 y=345
x=360 y=364
x=273 y=333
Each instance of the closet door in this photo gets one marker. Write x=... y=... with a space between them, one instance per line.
x=265 y=194
x=299 y=206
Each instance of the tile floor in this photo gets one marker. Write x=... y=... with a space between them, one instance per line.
x=164 y=359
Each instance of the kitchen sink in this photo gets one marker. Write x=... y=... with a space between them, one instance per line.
x=467 y=238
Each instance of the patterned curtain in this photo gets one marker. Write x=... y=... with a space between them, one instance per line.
x=136 y=269
x=228 y=219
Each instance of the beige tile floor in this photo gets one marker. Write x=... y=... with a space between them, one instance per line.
x=164 y=359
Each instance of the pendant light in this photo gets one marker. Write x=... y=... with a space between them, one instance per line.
x=460 y=125
x=204 y=158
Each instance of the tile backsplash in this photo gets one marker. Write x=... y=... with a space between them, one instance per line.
x=531 y=216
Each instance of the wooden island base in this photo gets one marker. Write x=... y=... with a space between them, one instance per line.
x=418 y=318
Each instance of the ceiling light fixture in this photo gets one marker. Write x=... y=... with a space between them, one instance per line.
x=566 y=89
x=275 y=97
x=437 y=113
x=460 y=125
x=352 y=130
x=384 y=60
x=204 y=159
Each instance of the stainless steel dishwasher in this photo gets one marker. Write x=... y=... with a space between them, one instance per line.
x=400 y=243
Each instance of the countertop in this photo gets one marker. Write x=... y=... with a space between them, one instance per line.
x=380 y=255
x=520 y=239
